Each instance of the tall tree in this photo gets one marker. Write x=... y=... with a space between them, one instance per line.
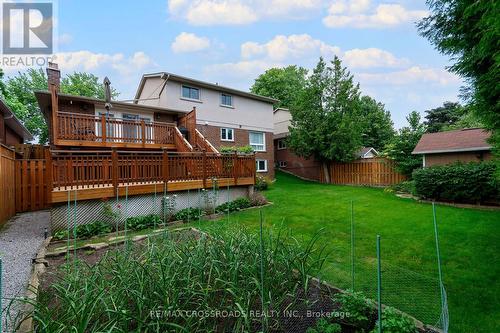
x=469 y=32
x=19 y=95
x=326 y=116
x=283 y=84
x=378 y=128
x=401 y=146
x=439 y=118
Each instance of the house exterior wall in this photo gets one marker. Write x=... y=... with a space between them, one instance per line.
x=448 y=158
x=241 y=138
x=299 y=166
x=282 y=120
x=246 y=113
x=11 y=137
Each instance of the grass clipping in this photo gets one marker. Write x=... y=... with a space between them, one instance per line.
x=185 y=283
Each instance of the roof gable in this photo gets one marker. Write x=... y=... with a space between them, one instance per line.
x=471 y=139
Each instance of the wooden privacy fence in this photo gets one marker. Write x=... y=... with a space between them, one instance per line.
x=372 y=172
x=7 y=185
x=32 y=191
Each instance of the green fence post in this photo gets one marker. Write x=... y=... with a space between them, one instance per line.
x=74 y=227
x=352 y=244
x=379 y=286
x=189 y=205
x=126 y=215
x=438 y=259
x=68 y=225
x=228 y=198
x=262 y=272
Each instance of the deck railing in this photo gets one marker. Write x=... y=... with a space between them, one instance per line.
x=115 y=168
x=108 y=129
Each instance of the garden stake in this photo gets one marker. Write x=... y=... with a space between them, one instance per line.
x=126 y=216
x=352 y=243
x=379 y=286
x=228 y=198
x=438 y=259
x=262 y=273
x=68 y=218
x=199 y=205
x=189 y=206
x=117 y=216
x=163 y=204
x=74 y=230
x=154 y=209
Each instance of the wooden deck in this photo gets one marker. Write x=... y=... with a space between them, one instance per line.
x=108 y=191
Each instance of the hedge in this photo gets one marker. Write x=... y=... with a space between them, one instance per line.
x=467 y=183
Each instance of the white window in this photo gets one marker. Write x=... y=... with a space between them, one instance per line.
x=261 y=165
x=257 y=141
x=282 y=164
x=281 y=144
x=191 y=93
x=227 y=134
x=226 y=100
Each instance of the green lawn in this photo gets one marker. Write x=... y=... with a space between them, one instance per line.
x=469 y=239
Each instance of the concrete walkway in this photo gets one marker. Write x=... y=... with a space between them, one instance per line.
x=20 y=239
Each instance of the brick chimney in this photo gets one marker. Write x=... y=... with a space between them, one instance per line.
x=54 y=77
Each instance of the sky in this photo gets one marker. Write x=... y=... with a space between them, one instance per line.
x=231 y=42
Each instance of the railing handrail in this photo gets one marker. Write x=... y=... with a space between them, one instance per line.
x=94 y=116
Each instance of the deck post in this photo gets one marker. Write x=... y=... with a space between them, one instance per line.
x=103 y=129
x=143 y=132
x=235 y=167
x=114 y=168
x=165 y=165
x=204 y=168
x=48 y=176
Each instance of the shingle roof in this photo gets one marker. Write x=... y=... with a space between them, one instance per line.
x=470 y=139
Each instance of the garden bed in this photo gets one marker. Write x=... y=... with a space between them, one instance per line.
x=184 y=280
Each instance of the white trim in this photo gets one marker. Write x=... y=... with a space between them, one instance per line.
x=188 y=98
x=232 y=134
x=208 y=142
x=257 y=164
x=278 y=145
x=185 y=141
x=423 y=161
x=263 y=141
x=282 y=164
x=458 y=150
x=233 y=125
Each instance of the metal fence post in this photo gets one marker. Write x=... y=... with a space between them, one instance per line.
x=352 y=244
x=1 y=305
x=438 y=260
x=262 y=272
x=379 y=286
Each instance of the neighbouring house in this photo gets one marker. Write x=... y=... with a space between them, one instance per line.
x=367 y=152
x=134 y=153
x=224 y=116
x=12 y=131
x=285 y=159
x=464 y=145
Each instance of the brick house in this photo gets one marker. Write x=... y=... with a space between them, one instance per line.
x=464 y=145
x=224 y=116
x=285 y=159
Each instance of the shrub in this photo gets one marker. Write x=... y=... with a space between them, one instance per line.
x=235 y=205
x=257 y=199
x=261 y=183
x=85 y=230
x=188 y=214
x=395 y=322
x=323 y=326
x=143 y=222
x=403 y=187
x=471 y=182
x=358 y=307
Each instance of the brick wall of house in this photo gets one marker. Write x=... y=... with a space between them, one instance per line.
x=448 y=158
x=305 y=168
x=76 y=107
x=241 y=138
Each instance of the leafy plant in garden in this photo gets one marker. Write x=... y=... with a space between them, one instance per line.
x=143 y=222
x=85 y=230
x=261 y=183
x=324 y=326
x=189 y=214
x=358 y=307
x=235 y=205
x=237 y=149
x=395 y=322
